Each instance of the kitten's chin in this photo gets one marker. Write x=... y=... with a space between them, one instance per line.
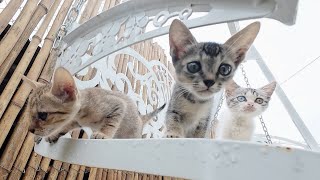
x=250 y=113
x=204 y=95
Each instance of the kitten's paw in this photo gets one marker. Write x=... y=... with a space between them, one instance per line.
x=52 y=139
x=37 y=139
x=99 y=135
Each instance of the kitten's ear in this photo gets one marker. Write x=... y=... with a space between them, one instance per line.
x=179 y=38
x=63 y=86
x=269 y=88
x=231 y=86
x=34 y=84
x=240 y=42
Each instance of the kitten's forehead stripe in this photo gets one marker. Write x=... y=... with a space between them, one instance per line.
x=212 y=49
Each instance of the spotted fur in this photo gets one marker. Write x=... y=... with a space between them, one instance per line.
x=189 y=110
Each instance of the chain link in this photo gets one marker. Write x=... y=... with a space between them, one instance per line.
x=215 y=120
x=71 y=18
x=264 y=127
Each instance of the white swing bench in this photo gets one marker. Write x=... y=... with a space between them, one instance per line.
x=203 y=159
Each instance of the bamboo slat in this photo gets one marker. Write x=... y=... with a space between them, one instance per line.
x=21 y=129
x=41 y=10
x=8 y=12
x=54 y=170
x=25 y=60
x=22 y=158
x=81 y=173
x=139 y=68
x=104 y=174
x=99 y=174
x=124 y=70
x=44 y=165
x=12 y=149
x=109 y=4
x=32 y=167
x=86 y=14
x=20 y=97
x=97 y=6
x=16 y=30
x=93 y=172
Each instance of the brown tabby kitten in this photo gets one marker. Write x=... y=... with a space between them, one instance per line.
x=202 y=69
x=60 y=107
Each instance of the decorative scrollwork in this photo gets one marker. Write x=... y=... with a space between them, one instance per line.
x=114 y=36
x=154 y=82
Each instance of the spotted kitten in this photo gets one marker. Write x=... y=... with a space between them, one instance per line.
x=60 y=107
x=243 y=105
x=201 y=69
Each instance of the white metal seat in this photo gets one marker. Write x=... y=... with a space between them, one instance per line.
x=97 y=42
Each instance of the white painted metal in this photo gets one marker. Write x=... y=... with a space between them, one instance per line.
x=102 y=31
x=201 y=159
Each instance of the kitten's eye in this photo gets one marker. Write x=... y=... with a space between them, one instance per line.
x=259 y=100
x=225 y=69
x=42 y=115
x=241 y=98
x=194 y=67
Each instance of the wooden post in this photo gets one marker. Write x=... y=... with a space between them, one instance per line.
x=8 y=12
x=16 y=30
x=41 y=10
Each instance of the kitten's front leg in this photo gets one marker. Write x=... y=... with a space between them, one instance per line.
x=110 y=124
x=202 y=128
x=174 y=126
x=37 y=139
x=56 y=135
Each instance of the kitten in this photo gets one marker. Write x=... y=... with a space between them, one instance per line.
x=60 y=107
x=201 y=69
x=243 y=105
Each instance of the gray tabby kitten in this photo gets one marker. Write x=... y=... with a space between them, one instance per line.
x=243 y=105
x=59 y=107
x=202 y=69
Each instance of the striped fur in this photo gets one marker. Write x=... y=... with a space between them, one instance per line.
x=189 y=110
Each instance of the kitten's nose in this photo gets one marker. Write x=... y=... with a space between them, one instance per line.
x=208 y=83
x=250 y=103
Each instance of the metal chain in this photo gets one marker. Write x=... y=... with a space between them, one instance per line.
x=66 y=27
x=264 y=127
x=215 y=117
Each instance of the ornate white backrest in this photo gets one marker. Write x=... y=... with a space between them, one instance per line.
x=96 y=43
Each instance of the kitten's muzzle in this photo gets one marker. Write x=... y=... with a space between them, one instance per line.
x=208 y=82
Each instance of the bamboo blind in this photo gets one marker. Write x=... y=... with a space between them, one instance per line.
x=19 y=55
